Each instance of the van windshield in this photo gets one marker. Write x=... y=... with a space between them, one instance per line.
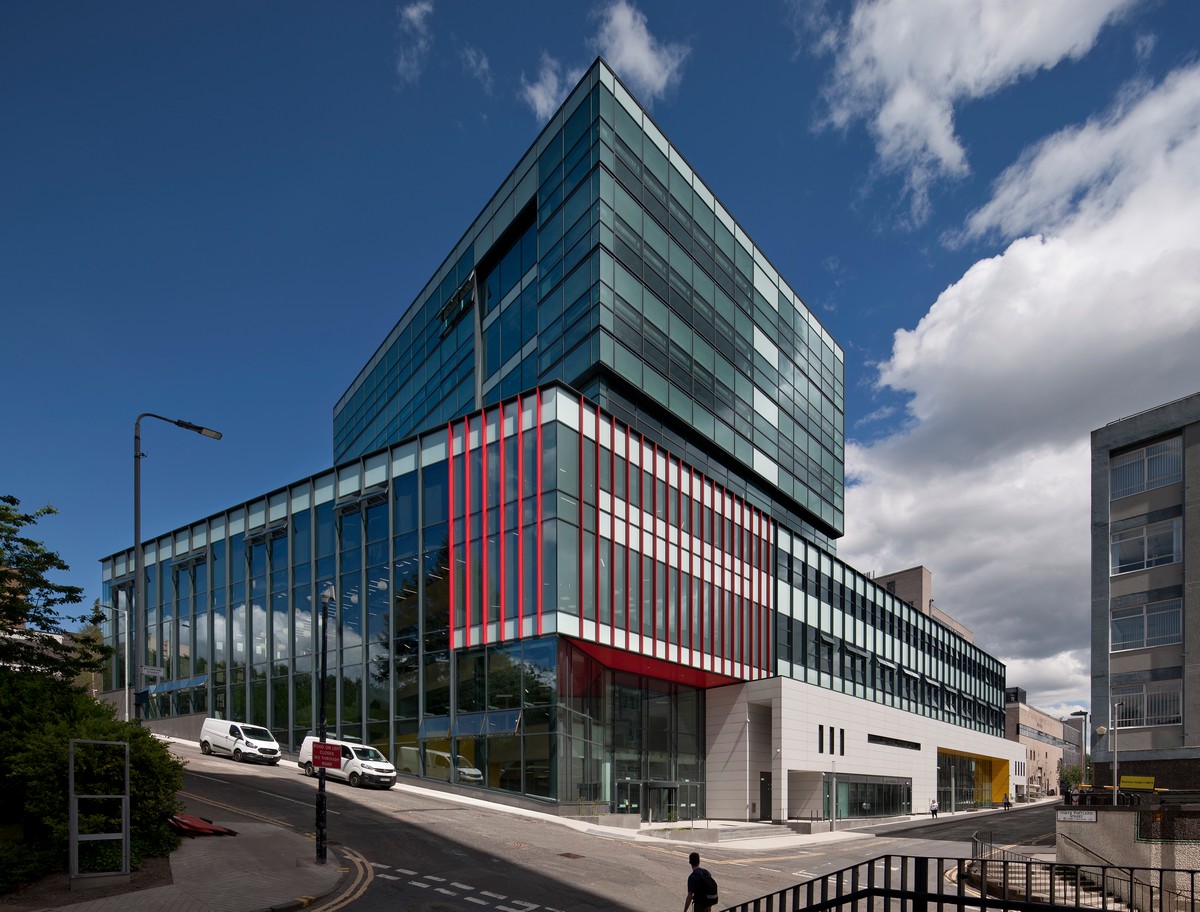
x=256 y=733
x=369 y=753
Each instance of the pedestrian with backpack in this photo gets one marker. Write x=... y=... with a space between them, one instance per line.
x=701 y=886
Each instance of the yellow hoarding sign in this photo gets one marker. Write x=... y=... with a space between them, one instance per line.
x=1137 y=782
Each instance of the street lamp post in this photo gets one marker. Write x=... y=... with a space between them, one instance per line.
x=1083 y=739
x=327 y=596
x=139 y=583
x=1113 y=718
x=1116 y=723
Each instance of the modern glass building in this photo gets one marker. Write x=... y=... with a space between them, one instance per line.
x=579 y=532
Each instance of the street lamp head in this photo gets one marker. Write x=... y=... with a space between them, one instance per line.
x=199 y=429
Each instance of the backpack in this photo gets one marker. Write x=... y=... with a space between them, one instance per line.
x=709 y=893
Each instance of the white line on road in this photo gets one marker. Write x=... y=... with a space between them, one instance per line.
x=387 y=876
x=446 y=892
x=406 y=871
x=418 y=883
x=462 y=886
x=476 y=900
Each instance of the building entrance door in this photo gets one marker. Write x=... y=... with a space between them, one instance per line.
x=764 y=795
x=662 y=802
x=629 y=797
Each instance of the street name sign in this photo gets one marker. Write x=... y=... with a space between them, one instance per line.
x=1074 y=816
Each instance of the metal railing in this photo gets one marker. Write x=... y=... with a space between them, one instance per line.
x=903 y=883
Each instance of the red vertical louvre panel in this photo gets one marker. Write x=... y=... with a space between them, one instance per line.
x=502 y=572
x=717 y=601
x=696 y=608
x=540 y=463
x=664 y=557
x=760 y=603
x=752 y=615
x=467 y=587
x=484 y=550
x=582 y=506
x=740 y=568
x=653 y=514
x=684 y=598
x=628 y=549
x=599 y=569
x=520 y=514
x=769 y=601
x=640 y=472
x=611 y=434
x=450 y=518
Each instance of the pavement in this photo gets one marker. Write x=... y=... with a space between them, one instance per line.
x=264 y=867
x=269 y=868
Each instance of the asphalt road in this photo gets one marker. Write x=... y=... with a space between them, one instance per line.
x=427 y=853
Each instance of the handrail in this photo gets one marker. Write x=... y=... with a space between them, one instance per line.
x=921 y=884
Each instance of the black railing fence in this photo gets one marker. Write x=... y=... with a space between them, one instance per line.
x=904 y=883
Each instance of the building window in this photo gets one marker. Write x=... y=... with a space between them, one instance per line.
x=1159 y=703
x=1147 y=546
x=1155 y=624
x=1146 y=468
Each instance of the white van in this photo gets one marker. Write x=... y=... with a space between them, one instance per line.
x=361 y=764
x=239 y=740
x=440 y=765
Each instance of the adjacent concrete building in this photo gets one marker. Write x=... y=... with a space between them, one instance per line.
x=1042 y=737
x=1146 y=595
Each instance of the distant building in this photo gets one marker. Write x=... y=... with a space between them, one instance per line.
x=580 y=532
x=1146 y=595
x=1042 y=736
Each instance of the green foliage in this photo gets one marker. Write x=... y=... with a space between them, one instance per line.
x=1072 y=775
x=32 y=624
x=43 y=715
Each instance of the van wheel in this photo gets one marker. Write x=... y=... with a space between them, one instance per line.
x=205 y=748
x=237 y=754
x=355 y=782
x=308 y=770
x=274 y=763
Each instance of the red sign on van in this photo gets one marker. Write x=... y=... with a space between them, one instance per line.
x=328 y=756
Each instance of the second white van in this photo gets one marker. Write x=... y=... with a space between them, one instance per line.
x=240 y=741
x=361 y=764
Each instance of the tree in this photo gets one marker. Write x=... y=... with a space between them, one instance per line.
x=33 y=633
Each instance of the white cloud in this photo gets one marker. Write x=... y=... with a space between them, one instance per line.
x=902 y=67
x=413 y=39
x=649 y=66
x=476 y=63
x=547 y=92
x=1094 y=318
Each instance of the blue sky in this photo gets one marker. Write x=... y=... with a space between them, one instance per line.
x=217 y=212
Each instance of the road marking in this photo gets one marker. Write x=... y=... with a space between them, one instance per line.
x=435 y=878
x=477 y=900
x=446 y=892
x=493 y=895
x=376 y=864
x=803 y=874
x=462 y=886
x=387 y=876
x=406 y=871
x=528 y=906
x=363 y=878
x=420 y=883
